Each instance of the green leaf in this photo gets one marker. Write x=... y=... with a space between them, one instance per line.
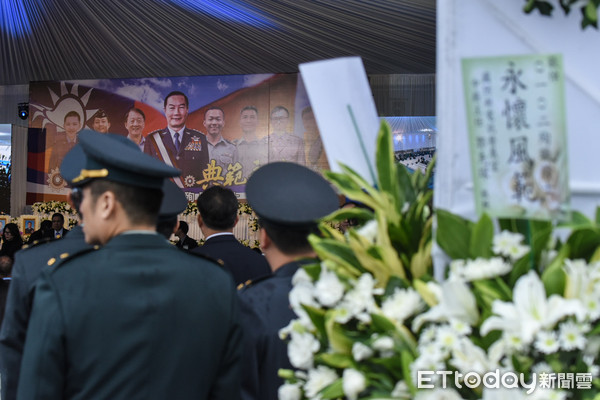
x=404 y=181
x=481 y=238
x=333 y=391
x=591 y=12
x=317 y=316
x=407 y=360
x=521 y=267
x=453 y=234
x=336 y=360
x=386 y=165
x=554 y=276
x=328 y=249
x=577 y=220
x=338 y=339
x=382 y=324
x=597 y=216
x=583 y=243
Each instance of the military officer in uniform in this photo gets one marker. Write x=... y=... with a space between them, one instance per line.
x=177 y=145
x=288 y=199
x=137 y=318
x=27 y=268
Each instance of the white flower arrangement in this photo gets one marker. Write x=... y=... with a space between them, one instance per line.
x=371 y=319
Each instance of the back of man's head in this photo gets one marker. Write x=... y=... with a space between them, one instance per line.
x=218 y=208
x=184 y=227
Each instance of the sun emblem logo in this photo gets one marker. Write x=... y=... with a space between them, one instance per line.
x=69 y=100
x=56 y=180
x=189 y=181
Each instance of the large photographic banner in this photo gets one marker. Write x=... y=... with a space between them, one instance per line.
x=231 y=125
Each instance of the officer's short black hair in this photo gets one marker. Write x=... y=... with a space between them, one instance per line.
x=214 y=108
x=280 y=108
x=218 y=207
x=250 y=108
x=141 y=204
x=176 y=93
x=72 y=114
x=62 y=217
x=289 y=241
x=184 y=227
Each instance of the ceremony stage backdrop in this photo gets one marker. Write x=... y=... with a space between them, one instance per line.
x=51 y=101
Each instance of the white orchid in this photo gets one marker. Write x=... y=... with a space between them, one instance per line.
x=530 y=311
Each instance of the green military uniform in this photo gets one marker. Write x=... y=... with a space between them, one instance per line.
x=136 y=319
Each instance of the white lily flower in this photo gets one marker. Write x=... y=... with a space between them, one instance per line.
x=531 y=311
x=457 y=302
x=467 y=357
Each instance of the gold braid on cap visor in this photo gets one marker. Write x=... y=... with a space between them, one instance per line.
x=90 y=174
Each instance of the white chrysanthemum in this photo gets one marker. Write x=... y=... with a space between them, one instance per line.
x=289 y=391
x=480 y=268
x=361 y=351
x=571 y=336
x=301 y=349
x=433 y=350
x=547 y=342
x=446 y=337
x=359 y=301
x=542 y=367
x=301 y=277
x=402 y=304
x=428 y=334
x=302 y=293
x=353 y=382
x=383 y=343
x=508 y=244
x=423 y=363
x=318 y=379
x=459 y=326
x=328 y=289
x=514 y=342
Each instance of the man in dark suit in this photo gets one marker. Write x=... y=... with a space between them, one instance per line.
x=136 y=319
x=58 y=222
x=217 y=215
x=177 y=145
x=288 y=199
x=185 y=242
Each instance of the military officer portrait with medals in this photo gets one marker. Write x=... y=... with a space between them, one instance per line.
x=178 y=145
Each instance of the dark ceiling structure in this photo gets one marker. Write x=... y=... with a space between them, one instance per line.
x=86 y=39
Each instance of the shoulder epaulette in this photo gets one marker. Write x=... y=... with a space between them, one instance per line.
x=36 y=243
x=194 y=131
x=219 y=262
x=63 y=258
x=252 y=282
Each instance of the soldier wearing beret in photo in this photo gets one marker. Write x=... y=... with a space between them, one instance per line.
x=289 y=199
x=137 y=318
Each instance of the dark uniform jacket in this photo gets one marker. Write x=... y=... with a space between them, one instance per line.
x=241 y=262
x=191 y=159
x=26 y=270
x=265 y=309
x=137 y=319
x=187 y=243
